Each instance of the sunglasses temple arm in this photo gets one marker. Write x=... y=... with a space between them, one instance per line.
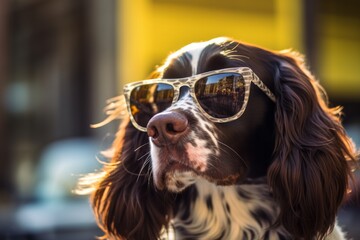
x=264 y=88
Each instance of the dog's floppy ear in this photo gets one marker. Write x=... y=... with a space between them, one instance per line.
x=125 y=202
x=124 y=199
x=310 y=171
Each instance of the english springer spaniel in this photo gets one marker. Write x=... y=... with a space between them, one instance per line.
x=226 y=140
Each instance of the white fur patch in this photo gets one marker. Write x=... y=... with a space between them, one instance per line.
x=178 y=181
x=198 y=155
x=155 y=161
x=195 y=49
x=230 y=217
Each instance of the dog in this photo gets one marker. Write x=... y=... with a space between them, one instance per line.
x=225 y=140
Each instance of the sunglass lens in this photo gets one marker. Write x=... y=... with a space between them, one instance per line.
x=148 y=100
x=221 y=95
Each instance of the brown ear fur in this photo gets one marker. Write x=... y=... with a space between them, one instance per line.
x=125 y=201
x=310 y=172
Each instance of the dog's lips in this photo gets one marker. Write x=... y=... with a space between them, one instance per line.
x=169 y=162
x=171 y=167
x=156 y=142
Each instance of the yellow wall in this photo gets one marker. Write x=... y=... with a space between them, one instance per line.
x=339 y=60
x=148 y=30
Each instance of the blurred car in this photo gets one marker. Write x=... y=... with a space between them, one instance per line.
x=55 y=212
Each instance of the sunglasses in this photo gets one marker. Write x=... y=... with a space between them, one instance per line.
x=221 y=95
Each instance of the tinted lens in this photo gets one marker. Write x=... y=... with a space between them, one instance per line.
x=150 y=99
x=221 y=95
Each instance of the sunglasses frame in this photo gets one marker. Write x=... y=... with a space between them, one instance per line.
x=248 y=75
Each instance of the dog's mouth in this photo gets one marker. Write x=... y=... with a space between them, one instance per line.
x=176 y=176
x=173 y=170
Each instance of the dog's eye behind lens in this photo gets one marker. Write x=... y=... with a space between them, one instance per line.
x=221 y=95
x=150 y=99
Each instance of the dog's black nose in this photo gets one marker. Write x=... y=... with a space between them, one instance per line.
x=167 y=127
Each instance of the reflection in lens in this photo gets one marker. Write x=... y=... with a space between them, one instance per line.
x=148 y=100
x=221 y=95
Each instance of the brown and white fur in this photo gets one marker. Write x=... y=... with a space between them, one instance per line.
x=280 y=171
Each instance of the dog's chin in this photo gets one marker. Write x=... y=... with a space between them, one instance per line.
x=176 y=177
x=176 y=168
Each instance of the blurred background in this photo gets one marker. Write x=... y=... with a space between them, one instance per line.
x=61 y=59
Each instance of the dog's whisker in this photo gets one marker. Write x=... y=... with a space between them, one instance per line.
x=149 y=170
x=141 y=169
x=146 y=162
x=128 y=171
x=232 y=150
x=141 y=146
x=145 y=155
x=210 y=164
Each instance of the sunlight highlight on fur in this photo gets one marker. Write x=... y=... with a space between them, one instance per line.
x=115 y=109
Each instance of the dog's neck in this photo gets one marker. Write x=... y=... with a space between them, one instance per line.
x=245 y=211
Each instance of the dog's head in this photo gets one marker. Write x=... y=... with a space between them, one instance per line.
x=194 y=136
x=228 y=112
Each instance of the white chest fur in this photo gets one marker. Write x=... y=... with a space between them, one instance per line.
x=234 y=212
